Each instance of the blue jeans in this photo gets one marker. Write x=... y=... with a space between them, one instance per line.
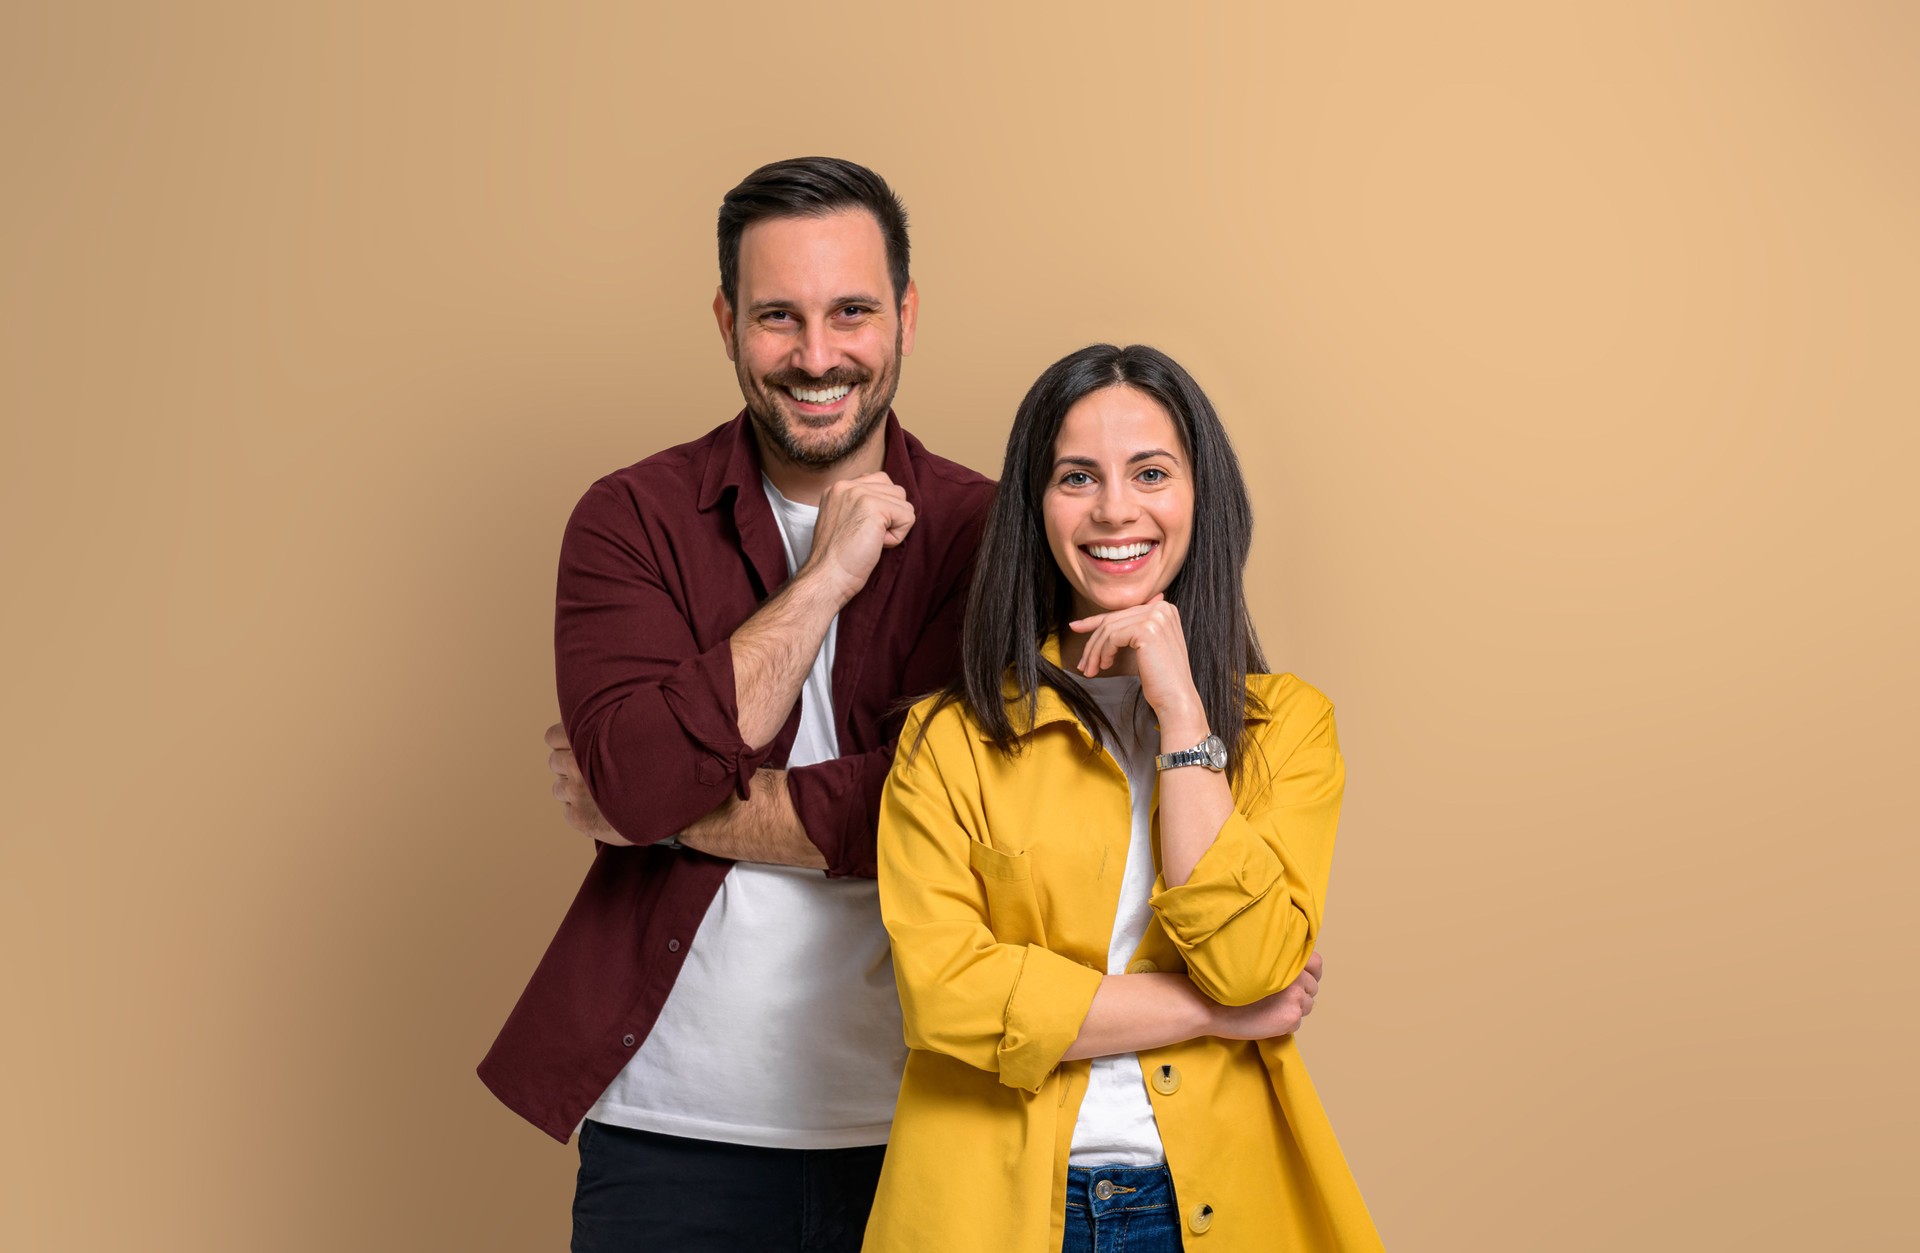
x=1137 y=1214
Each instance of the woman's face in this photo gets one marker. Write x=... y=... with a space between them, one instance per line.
x=1118 y=506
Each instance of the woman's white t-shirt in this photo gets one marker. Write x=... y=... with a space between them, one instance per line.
x=1116 y=1126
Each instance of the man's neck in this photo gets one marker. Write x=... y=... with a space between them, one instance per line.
x=804 y=485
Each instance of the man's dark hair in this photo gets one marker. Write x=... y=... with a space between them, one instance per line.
x=811 y=187
x=1020 y=596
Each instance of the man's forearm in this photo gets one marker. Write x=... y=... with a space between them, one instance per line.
x=772 y=653
x=763 y=828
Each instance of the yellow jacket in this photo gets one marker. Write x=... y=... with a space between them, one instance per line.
x=999 y=878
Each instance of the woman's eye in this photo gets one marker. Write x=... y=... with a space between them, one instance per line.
x=1076 y=478
x=1153 y=474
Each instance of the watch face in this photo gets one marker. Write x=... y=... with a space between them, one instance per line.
x=1216 y=751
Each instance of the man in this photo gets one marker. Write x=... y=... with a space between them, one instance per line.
x=738 y=619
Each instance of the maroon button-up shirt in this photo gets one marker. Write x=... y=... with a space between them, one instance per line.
x=660 y=564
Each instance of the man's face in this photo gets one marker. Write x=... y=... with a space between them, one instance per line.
x=815 y=337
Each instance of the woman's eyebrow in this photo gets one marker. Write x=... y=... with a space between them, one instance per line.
x=1148 y=455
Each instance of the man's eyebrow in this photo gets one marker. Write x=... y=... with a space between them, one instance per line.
x=858 y=298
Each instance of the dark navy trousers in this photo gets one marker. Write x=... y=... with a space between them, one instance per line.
x=639 y=1192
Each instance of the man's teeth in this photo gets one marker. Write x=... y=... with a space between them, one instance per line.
x=1123 y=552
x=820 y=396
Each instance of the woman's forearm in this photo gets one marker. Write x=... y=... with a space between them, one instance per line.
x=1195 y=802
x=1134 y=1012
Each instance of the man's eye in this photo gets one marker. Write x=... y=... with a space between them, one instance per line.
x=777 y=315
x=856 y=311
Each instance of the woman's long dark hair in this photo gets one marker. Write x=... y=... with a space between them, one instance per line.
x=1020 y=596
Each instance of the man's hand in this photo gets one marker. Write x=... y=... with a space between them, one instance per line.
x=576 y=803
x=1276 y=1015
x=859 y=518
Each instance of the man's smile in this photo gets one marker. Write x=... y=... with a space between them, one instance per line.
x=812 y=402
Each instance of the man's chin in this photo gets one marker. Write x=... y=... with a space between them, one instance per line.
x=820 y=441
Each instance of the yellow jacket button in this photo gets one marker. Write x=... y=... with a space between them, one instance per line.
x=1165 y=1079
x=1141 y=966
x=1199 y=1218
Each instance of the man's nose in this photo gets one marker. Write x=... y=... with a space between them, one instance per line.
x=815 y=353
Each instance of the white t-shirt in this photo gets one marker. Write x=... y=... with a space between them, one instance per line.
x=783 y=1029
x=1116 y=1126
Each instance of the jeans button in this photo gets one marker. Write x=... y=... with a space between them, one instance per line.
x=1103 y=1190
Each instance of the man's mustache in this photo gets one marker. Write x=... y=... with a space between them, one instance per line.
x=836 y=377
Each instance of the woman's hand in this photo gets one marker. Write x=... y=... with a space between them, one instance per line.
x=1153 y=632
x=1276 y=1015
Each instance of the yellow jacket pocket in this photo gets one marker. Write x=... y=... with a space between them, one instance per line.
x=1013 y=909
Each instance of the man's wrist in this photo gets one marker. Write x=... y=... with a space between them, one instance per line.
x=819 y=587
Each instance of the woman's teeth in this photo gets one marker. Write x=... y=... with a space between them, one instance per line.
x=1122 y=552
x=820 y=396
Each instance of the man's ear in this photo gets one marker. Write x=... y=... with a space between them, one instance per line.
x=909 y=317
x=723 y=314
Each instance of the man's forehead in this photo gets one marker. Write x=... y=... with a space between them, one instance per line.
x=814 y=258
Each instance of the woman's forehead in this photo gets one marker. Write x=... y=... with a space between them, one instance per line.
x=1118 y=422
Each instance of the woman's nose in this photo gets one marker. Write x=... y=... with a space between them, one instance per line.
x=1115 y=504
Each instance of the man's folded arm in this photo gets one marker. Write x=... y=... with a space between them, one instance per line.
x=652 y=718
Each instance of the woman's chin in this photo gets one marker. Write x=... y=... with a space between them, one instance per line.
x=1110 y=602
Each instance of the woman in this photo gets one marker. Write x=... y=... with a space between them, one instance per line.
x=1100 y=964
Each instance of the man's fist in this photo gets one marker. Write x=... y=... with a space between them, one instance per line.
x=859 y=519
x=576 y=803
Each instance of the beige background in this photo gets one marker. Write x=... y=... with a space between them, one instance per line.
x=1572 y=357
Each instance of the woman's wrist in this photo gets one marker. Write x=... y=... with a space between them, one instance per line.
x=1183 y=728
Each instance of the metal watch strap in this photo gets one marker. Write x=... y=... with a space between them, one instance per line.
x=1210 y=752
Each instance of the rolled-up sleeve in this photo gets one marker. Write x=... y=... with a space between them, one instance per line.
x=1248 y=917
x=1011 y=1009
x=651 y=717
x=838 y=802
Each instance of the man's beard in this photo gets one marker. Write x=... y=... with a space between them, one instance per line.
x=876 y=397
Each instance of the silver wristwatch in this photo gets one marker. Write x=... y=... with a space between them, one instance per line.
x=1210 y=752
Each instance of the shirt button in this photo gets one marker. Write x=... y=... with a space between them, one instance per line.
x=627 y=1040
x=673 y=946
x=1166 y=1079
x=1199 y=1218
x=1142 y=966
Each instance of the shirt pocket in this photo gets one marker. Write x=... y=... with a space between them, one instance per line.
x=1013 y=907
